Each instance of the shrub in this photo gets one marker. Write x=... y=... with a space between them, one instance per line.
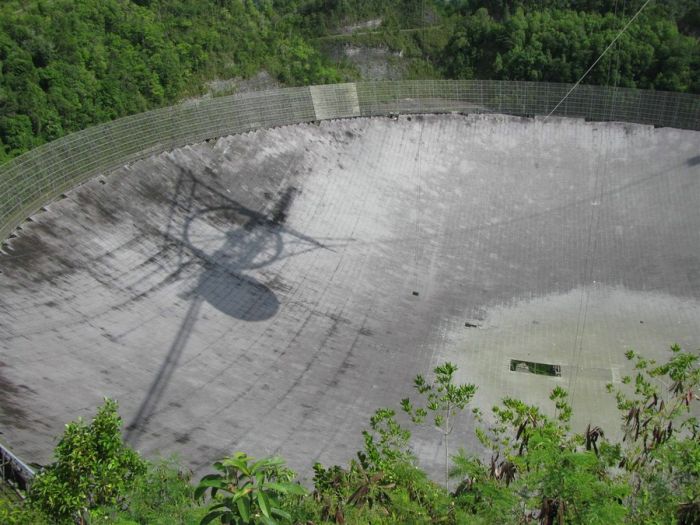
x=93 y=467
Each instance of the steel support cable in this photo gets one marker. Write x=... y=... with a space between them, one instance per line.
x=595 y=217
x=418 y=197
x=622 y=31
x=419 y=187
x=584 y=302
x=589 y=263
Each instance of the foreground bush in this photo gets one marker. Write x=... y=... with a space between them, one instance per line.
x=163 y=495
x=249 y=491
x=93 y=467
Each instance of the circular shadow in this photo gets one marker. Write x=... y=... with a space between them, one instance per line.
x=234 y=236
x=236 y=295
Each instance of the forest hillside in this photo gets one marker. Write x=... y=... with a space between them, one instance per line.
x=69 y=64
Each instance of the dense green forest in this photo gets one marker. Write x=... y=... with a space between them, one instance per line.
x=68 y=64
x=535 y=469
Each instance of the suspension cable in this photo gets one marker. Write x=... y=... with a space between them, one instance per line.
x=598 y=59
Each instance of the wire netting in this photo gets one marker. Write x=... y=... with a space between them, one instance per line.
x=35 y=178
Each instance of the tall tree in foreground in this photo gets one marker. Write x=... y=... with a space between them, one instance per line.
x=444 y=400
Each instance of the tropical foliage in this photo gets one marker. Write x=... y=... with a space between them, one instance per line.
x=67 y=64
x=248 y=491
x=559 y=46
x=93 y=467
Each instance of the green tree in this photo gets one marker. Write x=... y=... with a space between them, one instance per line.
x=539 y=469
x=93 y=467
x=558 y=45
x=661 y=446
x=66 y=65
x=386 y=441
x=444 y=399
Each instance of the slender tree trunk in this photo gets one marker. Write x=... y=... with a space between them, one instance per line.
x=447 y=450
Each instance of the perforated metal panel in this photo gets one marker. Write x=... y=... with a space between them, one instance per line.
x=335 y=101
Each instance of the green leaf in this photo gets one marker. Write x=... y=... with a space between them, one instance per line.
x=225 y=505
x=207 y=482
x=281 y=513
x=214 y=481
x=238 y=463
x=268 y=521
x=264 y=504
x=242 y=493
x=243 y=508
x=211 y=517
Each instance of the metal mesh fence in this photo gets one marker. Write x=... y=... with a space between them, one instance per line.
x=13 y=470
x=30 y=180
